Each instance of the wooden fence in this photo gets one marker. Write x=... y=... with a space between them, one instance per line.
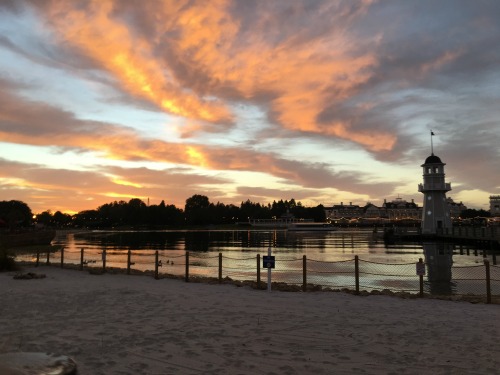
x=306 y=274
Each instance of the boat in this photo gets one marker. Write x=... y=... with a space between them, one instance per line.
x=311 y=227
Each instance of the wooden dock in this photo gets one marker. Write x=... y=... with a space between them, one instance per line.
x=461 y=234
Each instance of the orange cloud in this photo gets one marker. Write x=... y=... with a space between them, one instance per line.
x=197 y=50
x=194 y=156
x=303 y=77
x=446 y=58
x=131 y=59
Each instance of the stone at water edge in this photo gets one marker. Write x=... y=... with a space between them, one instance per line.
x=25 y=363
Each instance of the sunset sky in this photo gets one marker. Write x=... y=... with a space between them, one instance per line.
x=320 y=101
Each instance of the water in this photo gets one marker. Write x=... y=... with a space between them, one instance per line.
x=322 y=246
x=450 y=269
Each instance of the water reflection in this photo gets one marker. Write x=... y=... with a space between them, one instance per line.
x=330 y=256
x=439 y=260
x=321 y=246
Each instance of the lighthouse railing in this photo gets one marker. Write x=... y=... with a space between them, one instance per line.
x=434 y=186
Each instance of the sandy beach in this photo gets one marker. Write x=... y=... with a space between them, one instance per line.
x=119 y=324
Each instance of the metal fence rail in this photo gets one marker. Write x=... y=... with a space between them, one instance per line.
x=304 y=274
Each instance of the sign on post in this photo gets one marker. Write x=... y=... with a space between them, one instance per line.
x=420 y=268
x=268 y=261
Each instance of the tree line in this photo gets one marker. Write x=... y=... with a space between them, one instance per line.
x=198 y=210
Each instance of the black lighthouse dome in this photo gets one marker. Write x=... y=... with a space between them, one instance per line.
x=433 y=159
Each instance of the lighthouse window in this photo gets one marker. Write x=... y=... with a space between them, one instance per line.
x=429 y=198
x=436 y=170
x=429 y=170
x=429 y=212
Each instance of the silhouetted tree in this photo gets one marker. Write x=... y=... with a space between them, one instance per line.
x=197 y=210
x=250 y=210
x=44 y=218
x=15 y=214
x=88 y=219
x=472 y=213
x=62 y=220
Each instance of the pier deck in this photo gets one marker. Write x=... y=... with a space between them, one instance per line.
x=456 y=234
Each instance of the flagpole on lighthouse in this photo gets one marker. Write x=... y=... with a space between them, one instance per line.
x=432 y=146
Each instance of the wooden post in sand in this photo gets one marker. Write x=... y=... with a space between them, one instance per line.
x=421 y=278
x=48 y=258
x=220 y=268
x=156 y=265
x=356 y=272
x=62 y=257
x=488 y=282
x=37 y=258
x=304 y=273
x=258 y=271
x=104 y=260
x=81 y=259
x=128 y=261
x=187 y=266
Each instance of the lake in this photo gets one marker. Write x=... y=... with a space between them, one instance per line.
x=322 y=246
x=330 y=257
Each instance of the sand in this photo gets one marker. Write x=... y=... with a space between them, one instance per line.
x=119 y=324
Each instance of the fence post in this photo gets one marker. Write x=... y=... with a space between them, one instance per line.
x=304 y=273
x=129 y=254
x=187 y=267
x=258 y=271
x=220 y=268
x=48 y=258
x=104 y=260
x=81 y=259
x=62 y=257
x=356 y=272
x=156 y=265
x=421 y=278
x=488 y=283
x=37 y=258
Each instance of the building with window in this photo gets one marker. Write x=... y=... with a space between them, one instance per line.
x=455 y=208
x=343 y=211
x=495 y=205
x=371 y=211
x=400 y=209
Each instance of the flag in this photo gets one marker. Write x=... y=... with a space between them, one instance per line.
x=432 y=133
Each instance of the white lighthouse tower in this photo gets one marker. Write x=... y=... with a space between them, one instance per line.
x=436 y=214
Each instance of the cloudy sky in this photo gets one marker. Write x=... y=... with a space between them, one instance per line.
x=320 y=101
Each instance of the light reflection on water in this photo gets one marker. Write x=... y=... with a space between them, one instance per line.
x=321 y=246
x=329 y=256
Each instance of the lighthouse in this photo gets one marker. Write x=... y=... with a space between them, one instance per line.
x=435 y=214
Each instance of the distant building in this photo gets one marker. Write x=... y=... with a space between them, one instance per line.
x=399 y=209
x=371 y=211
x=342 y=211
x=455 y=208
x=495 y=205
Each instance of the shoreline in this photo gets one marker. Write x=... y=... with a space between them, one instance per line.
x=275 y=286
